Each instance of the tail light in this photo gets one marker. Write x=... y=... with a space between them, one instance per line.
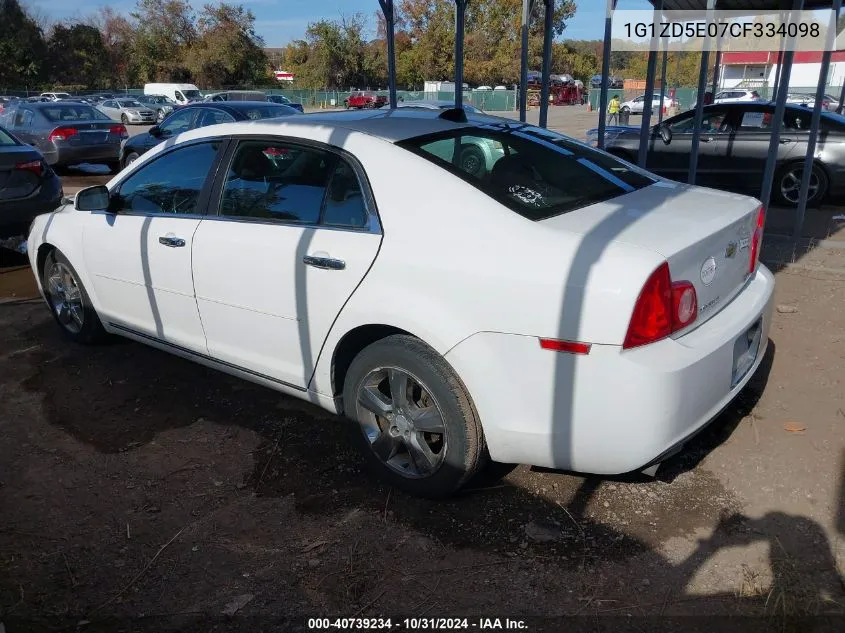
x=62 y=133
x=757 y=241
x=35 y=166
x=663 y=307
x=119 y=130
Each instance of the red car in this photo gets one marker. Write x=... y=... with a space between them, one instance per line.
x=365 y=100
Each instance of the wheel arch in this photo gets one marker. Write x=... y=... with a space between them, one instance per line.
x=352 y=343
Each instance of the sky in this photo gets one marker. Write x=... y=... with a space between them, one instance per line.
x=280 y=21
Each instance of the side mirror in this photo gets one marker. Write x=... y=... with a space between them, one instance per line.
x=92 y=199
x=665 y=134
x=155 y=131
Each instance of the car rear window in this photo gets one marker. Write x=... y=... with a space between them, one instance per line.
x=76 y=112
x=6 y=139
x=268 y=111
x=534 y=172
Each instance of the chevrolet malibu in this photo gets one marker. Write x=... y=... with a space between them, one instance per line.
x=561 y=308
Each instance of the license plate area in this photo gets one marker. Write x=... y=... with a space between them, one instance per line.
x=746 y=348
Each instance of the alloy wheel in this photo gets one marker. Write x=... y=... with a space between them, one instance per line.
x=790 y=185
x=402 y=422
x=65 y=297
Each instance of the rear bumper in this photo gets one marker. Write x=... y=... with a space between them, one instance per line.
x=67 y=155
x=16 y=215
x=612 y=411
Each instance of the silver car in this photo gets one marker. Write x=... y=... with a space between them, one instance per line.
x=127 y=110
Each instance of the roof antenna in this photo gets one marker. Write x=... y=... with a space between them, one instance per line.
x=456 y=115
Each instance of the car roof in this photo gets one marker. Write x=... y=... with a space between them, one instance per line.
x=389 y=125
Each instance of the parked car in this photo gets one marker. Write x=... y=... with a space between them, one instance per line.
x=182 y=94
x=735 y=95
x=734 y=147
x=236 y=95
x=28 y=186
x=637 y=105
x=435 y=104
x=199 y=115
x=361 y=100
x=159 y=104
x=285 y=101
x=829 y=102
x=258 y=249
x=55 y=96
x=127 y=110
x=67 y=133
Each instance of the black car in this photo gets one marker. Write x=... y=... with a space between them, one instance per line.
x=285 y=101
x=734 y=145
x=28 y=186
x=197 y=115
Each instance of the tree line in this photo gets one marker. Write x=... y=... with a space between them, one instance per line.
x=217 y=46
x=160 y=40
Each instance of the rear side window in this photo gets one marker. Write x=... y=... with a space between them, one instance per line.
x=292 y=184
x=6 y=138
x=67 y=112
x=268 y=111
x=534 y=172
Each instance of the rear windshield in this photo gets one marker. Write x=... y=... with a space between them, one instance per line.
x=536 y=173
x=6 y=138
x=72 y=112
x=268 y=111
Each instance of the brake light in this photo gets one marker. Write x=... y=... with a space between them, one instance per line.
x=119 y=130
x=570 y=347
x=662 y=308
x=35 y=166
x=756 y=241
x=62 y=133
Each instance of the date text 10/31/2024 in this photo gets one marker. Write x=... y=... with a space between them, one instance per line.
x=416 y=624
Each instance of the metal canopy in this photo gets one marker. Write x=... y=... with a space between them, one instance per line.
x=741 y=5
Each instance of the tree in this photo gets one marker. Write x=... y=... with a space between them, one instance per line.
x=22 y=48
x=164 y=31
x=77 y=56
x=227 y=50
x=118 y=36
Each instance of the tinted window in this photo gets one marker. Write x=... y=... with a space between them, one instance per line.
x=535 y=172
x=213 y=116
x=277 y=181
x=344 y=201
x=6 y=138
x=178 y=122
x=129 y=103
x=72 y=112
x=267 y=111
x=711 y=121
x=169 y=184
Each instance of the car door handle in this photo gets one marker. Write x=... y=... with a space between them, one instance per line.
x=706 y=139
x=784 y=141
x=171 y=241
x=324 y=262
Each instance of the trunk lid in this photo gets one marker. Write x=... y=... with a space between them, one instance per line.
x=17 y=183
x=704 y=234
x=89 y=132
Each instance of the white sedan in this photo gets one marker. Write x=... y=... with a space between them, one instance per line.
x=637 y=105
x=560 y=308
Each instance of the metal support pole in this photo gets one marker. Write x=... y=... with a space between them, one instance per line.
x=715 y=85
x=777 y=119
x=699 y=114
x=662 y=85
x=815 y=122
x=527 y=6
x=648 y=102
x=547 y=62
x=390 y=34
x=460 y=12
x=605 y=71
x=774 y=94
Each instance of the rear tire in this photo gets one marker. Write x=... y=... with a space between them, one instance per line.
x=130 y=158
x=69 y=302
x=788 y=184
x=394 y=388
x=124 y=120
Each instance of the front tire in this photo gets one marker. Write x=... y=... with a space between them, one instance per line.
x=69 y=302
x=130 y=158
x=417 y=427
x=124 y=119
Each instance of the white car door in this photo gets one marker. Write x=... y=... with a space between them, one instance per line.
x=139 y=252
x=291 y=236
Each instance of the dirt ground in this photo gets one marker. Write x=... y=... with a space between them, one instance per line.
x=139 y=491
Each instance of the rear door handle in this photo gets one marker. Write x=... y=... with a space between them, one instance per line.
x=324 y=262
x=171 y=241
x=784 y=141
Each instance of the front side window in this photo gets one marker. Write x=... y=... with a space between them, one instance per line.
x=213 y=116
x=177 y=123
x=712 y=122
x=170 y=184
x=534 y=172
x=301 y=185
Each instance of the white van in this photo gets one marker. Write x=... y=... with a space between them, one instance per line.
x=180 y=93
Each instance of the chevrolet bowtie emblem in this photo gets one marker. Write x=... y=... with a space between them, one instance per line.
x=730 y=251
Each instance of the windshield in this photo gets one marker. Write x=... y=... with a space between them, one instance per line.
x=191 y=94
x=68 y=112
x=534 y=172
x=130 y=103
